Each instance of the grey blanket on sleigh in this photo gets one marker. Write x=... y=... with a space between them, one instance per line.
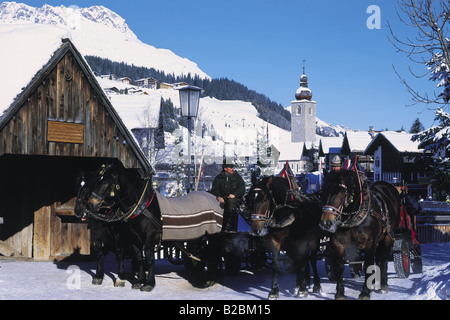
x=191 y=216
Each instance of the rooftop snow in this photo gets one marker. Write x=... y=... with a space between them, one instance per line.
x=358 y=140
x=25 y=50
x=402 y=141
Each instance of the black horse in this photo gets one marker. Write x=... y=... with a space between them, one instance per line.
x=291 y=222
x=105 y=237
x=116 y=194
x=360 y=220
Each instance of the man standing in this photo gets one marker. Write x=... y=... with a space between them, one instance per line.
x=229 y=188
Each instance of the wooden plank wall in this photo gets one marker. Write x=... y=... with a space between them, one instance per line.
x=65 y=95
x=33 y=182
x=32 y=190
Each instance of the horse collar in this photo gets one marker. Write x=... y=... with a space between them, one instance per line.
x=143 y=203
x=358 y=216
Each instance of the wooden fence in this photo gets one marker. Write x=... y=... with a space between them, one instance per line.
x=433 y=229
x=434 y=233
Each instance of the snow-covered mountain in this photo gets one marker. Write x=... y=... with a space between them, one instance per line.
x=227 y=127
x=99 y=31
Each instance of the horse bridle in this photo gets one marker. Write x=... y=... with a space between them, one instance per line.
x=265 y=215
x=115 y=187
x=356 y=217
x=268 y=214
x=337 y=211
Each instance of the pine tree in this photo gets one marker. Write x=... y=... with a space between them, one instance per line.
x=416 y=127
x=436 y=158
x=436 y=139
x=222 y=88
x=159 y=132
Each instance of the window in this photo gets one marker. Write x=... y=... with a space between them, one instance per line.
x=310 y=111
x=299 y=110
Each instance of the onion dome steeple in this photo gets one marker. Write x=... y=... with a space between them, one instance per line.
x=303 y=93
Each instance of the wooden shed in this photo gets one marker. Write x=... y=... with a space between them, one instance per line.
x=60 y=123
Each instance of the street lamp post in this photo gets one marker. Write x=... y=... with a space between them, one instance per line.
x=189 y=101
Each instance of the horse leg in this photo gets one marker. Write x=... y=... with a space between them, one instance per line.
x=149 y=259
x=369 y=261
x=120 y=255
x=317 y=288
x=275 y=249
x=99 y=254
x=213 y=257
x=303 y=265
x=382 y=254
x=139 y=264
x=338 y=267
x=300 y=258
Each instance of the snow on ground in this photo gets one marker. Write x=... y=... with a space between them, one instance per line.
x=30 y=280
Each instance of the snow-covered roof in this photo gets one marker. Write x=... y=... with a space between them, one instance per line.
x=357 y=140
x=401 y=141
x=43 y=56
x=331 y=144
x=291 y=151
x=22 y=57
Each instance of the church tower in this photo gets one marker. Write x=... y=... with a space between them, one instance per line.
x=303 y=113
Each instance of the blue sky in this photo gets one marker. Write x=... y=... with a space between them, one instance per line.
x=262 y=43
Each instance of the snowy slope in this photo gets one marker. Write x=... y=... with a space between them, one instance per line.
x=100 y=32
x=232 y=127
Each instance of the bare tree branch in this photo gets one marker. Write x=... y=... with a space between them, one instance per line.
x=429 y=47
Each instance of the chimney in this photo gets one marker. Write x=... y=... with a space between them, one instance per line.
x=371 y=132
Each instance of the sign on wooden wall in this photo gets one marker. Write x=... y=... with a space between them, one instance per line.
x=65 y=132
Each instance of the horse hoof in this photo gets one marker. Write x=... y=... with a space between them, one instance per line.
x=364 y=297
x=119 y=283
x=317 y=289
x=340 y=297
x=97 y=281
x=273 y=296
x=302 y=294
x=209 y=283
x=147 y=288
x=137 y=286
x=384 y=288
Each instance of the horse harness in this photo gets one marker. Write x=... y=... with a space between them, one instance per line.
x=269 y=213
x=144 y=201
x=357 y=217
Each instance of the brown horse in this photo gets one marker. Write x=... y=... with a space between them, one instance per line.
x=289 y=223
x=360 y=220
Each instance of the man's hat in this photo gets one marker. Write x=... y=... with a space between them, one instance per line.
x=227 y=164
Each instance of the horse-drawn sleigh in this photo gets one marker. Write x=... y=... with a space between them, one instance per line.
x=358 y=219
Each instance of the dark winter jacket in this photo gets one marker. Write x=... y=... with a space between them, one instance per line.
x=226 y=184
